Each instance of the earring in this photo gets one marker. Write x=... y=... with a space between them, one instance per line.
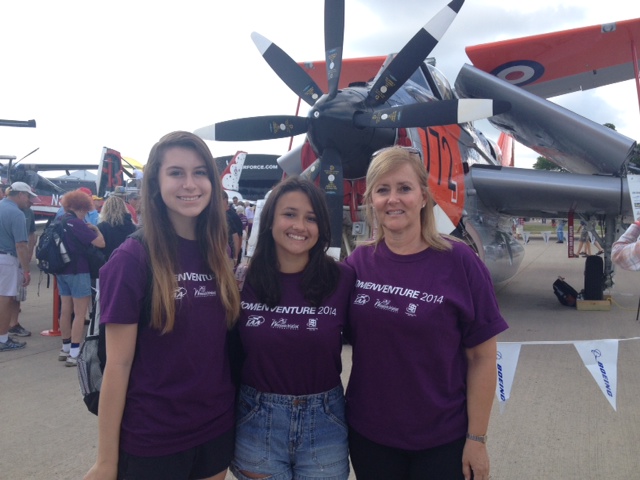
x=424 y=205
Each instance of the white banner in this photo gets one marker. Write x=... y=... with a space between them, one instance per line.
x=507 y=362
x=601 y=359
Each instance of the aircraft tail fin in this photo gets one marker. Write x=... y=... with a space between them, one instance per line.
x=231 y=174
x=109 y=172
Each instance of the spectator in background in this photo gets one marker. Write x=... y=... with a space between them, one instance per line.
x=235 y=229
x=560 y=230
x=133 y=199
x=584 y=240
x=115 y=224
x=92 y=215
x=249 y=212
x=14 y=258
x=138 y=176
x=625 y=253
x=97 y=203
x=15 y=329
x=243 y=237
x=74 y=282
x=122 y=193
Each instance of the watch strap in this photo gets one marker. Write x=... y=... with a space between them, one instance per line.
x=477 y=438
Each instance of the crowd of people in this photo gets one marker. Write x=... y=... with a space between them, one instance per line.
x=215 y=362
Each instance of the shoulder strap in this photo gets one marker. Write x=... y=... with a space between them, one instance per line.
x=138 y=236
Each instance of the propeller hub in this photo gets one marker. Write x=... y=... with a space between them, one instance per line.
x=331 y=126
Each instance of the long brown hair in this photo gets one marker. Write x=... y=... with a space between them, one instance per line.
x=162 y=240
x=387 y=161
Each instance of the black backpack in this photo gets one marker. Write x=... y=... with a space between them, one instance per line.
x=567 y=295
x=93 y=353
x=51 y=251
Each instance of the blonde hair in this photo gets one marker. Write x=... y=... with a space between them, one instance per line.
x=114 y=211
x=388 y=161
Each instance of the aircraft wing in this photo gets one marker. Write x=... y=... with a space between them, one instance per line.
x=523 y=192
x=562 y=62
x=573 y=142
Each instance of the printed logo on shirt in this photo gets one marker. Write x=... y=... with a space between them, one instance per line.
x=361 y=299
x=255 y=320
x=385 y=305
x=411 y=310
x=281 y=324
x=280 y=309
x=202 y=291
x=312 y=324
x=181 y=292
x=194 y=277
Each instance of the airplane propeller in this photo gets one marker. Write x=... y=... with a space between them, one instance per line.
x=255 y=128
x=412 y=55
x=344 y=127
x=445 y=112
x=288 y=70
x=333 y=42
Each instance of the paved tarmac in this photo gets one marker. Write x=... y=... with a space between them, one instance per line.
x=556 y=425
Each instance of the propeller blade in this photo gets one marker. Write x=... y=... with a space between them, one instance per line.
x=312 y=171
x=287 y=69
x=333 y=42
x=31 y=152
x=254 y=128
x=18 y=123
x=331 y=182
x=412 y=55
x=441 y=112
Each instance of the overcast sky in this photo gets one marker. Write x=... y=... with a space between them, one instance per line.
x=123 y=73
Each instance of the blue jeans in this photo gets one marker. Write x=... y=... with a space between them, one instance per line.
x=291 y=437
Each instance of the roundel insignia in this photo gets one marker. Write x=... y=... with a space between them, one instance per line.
x=519 y=72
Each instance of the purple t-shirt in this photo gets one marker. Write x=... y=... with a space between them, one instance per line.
x=77 y=238
x=411 y=319
x=294 y=348
x=180 y=393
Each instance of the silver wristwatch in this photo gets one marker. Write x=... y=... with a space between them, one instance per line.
x=477 y=438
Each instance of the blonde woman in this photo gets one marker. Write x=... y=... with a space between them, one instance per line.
x=423 y=320
x=115 y=224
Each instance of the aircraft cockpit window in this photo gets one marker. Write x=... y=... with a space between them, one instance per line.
x=441 y=83
x=419 y=78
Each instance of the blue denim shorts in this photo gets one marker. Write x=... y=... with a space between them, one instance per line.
x=76 y=286
x=291 y=437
